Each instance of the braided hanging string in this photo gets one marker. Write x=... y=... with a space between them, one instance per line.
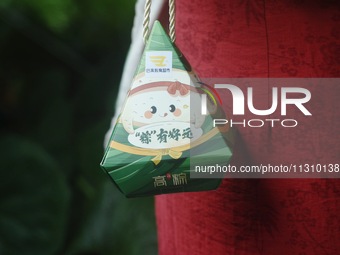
x=146 y=21
x=172 y=20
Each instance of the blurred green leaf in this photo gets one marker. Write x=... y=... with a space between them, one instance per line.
x=61 y=63
x=33 y=199
x=57 y=14
x=5 y=3
x=117 y=226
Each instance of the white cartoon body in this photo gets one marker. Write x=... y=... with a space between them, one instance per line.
x=162 y=119
x=147 y=107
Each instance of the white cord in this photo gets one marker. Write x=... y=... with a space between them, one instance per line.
x=146 y=21
x=172 y=12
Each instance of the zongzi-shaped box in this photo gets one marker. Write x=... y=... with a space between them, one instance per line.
x=162 y=132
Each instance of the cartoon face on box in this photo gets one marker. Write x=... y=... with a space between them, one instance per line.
x=163 y=106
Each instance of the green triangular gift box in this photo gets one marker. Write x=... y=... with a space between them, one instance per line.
x=161 y=135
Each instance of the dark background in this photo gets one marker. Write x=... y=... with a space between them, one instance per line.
x=60 y=67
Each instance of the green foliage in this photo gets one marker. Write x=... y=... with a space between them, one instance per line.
x=60 y=66
x=34 y=199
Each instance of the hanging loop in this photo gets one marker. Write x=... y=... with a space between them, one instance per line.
x=146 y=21
x=172 y=21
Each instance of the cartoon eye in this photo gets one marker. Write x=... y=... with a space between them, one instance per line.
x=153 y=109
x=172 y=108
